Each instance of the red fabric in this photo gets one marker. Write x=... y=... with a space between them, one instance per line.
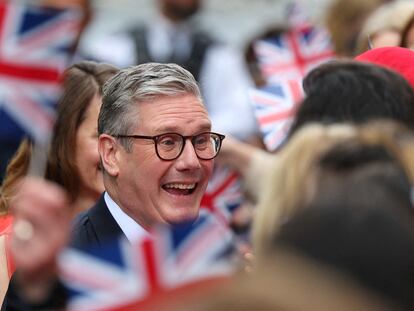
x=398 y=59
x=6 y=230
x=5 y=222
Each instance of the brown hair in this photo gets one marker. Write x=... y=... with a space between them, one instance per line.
x=319 y=158
x=81 y=82
x=344 y=20
x=405 y=31
x=16 y=169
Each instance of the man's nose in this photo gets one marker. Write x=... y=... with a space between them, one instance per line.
x=188 y=158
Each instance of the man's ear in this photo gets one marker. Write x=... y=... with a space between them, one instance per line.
x=109 y=153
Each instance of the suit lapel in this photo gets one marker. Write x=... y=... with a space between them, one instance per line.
x=104 y=225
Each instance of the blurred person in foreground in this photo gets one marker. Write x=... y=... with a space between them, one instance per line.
x=355 y=187
x=362 y=208
x=156 y=148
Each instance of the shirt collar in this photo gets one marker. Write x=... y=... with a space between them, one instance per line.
x=132 y=230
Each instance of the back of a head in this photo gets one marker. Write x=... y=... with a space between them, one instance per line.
x=286 y=281
x=350 y=164
x=360 y=218
x=365 y=175
x=373 y=246
x=348 y=91
x=287 y=185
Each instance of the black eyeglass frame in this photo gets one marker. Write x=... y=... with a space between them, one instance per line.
x=156 y=138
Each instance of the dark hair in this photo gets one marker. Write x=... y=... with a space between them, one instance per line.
x=363 y=175
x=81 y=82
x=374 y=246
x=360 y=221
x=405 y=32
x=349 y=91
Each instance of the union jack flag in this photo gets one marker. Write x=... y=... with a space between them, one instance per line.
x=223 y=194
x=172 y=261
x=35 y=45
x=293 y=54
x=274 y=107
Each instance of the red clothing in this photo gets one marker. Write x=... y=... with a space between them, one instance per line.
x=396 y=58
x=5 y=222
x=6 y=230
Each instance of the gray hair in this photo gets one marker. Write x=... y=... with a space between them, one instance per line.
x=136 y=84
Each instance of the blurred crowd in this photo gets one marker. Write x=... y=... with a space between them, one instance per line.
x=326 y=220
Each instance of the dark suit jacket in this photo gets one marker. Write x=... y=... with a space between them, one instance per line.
x=94 y=226
x=90 y=229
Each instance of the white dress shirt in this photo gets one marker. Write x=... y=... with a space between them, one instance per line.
x=132 y=230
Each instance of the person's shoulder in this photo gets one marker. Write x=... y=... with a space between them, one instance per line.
x=80 y=220
x=82 y=231
x=94 y=226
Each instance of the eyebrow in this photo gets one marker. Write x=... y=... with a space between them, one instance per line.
x=171 y=129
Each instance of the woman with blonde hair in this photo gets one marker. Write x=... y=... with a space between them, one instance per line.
x=286 y=183
x=328 y=163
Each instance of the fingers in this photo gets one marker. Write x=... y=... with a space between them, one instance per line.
x=41 y=226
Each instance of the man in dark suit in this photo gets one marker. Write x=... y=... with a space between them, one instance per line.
x=156 y=149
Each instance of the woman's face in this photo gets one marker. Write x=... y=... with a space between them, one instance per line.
x=86 y=154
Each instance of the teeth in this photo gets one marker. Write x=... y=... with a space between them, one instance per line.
x=180 y=186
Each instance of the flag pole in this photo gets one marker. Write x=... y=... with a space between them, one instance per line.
x=38 y=159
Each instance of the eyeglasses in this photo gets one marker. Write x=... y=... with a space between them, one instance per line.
x=169 y=146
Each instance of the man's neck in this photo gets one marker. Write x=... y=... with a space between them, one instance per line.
x=131 y=228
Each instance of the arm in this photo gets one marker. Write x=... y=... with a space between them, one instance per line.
x=250 y=161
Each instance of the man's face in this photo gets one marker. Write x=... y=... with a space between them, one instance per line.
x=152 y=190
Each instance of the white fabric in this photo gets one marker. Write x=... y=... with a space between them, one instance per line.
x=132 y=230
x=224 y=79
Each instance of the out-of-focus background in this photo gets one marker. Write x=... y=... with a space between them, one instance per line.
x=233 y=21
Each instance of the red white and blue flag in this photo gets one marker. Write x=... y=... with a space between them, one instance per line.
x=224 y=194
x=169 y=263
x=35 y=46
x=293 y=54
x=284 y=61
x=274 y=108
